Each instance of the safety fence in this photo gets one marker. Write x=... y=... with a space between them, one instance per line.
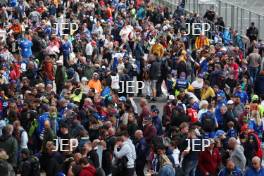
x=234 y=16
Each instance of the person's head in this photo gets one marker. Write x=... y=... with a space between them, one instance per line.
x=232 y=143
x=87 y=147
x=16 y=125
x=206 y=84
x=230 y=124
x=139 y=134
x=230 y=104
x=246 y=108
x=230 y=165
x=83 y=162
x=77 y=157
x=124 y=135
x=25 y=153
x=47 y=124
x=223 y=109
x=50 y=146
x=143 y=102
x=161 y=149
x=111 y=131
x=8 y=130
x=204 y=104
x=184 y=127
x=64 y=129
x=95 y=76
x=256 y=163
x=154 y=111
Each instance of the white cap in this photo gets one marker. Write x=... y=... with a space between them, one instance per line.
x=230 y=102
x=171 y=97
x=84 y=79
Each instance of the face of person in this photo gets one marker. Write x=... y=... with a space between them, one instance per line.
x=256 y=164
x=230 y=165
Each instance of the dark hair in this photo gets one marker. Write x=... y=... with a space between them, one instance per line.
x=83 y=161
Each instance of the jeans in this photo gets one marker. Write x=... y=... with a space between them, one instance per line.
x=253 y=72
x=189 y=167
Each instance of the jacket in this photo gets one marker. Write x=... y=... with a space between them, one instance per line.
x=128 y=150
x=235 y=172
x=200 y=43
x=209 y=162
x=88 y=170
x=252 y=172
x=9 y=144
x=166 y=170
x=238 y=157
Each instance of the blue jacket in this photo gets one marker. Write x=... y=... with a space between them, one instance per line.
x=252 y=172
x=243 y=96
x=227 y=37
x=218 y=114
x=235 y=172
x=41 y=120
x=158 y=125
x=142 y=150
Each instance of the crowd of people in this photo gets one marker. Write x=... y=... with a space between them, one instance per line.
x=69 y=74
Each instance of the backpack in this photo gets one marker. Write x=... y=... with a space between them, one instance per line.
x=208 y=122
x=35 y=166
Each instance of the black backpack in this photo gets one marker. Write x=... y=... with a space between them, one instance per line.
x=35 y=166
x=208 y=122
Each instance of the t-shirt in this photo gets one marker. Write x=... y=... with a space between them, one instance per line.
x=25 y=46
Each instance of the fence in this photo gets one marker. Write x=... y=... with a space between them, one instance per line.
x=237 y=17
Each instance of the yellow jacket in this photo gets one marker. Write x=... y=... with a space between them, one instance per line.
x=206 y=93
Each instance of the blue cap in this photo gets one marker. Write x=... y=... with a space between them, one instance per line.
x=219 y=133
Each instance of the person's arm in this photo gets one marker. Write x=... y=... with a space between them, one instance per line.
x=24 y=138
x=122 y=152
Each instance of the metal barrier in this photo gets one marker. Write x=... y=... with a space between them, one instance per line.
x=238 y=18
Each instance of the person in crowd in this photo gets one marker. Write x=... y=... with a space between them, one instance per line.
x=209 y=160
x=127 y=150
x=30 y=164
x=230 y=169
x=79 y=69
x=237 y=153
x=9 y=144
x=142 y=150
x=256 y=168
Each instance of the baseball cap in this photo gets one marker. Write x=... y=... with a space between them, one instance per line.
x=230 y=102
x=219 y=133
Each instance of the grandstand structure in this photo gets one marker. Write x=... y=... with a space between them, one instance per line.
x=237 y=14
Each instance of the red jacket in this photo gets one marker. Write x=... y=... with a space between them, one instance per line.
x=209 y=163
x=88 y=171
x=149 y=132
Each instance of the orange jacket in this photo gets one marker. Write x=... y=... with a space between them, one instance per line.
x=200 y=43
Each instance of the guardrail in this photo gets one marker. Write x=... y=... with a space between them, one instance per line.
x=234 y=16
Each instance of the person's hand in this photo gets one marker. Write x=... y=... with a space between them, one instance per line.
x=207 y=173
